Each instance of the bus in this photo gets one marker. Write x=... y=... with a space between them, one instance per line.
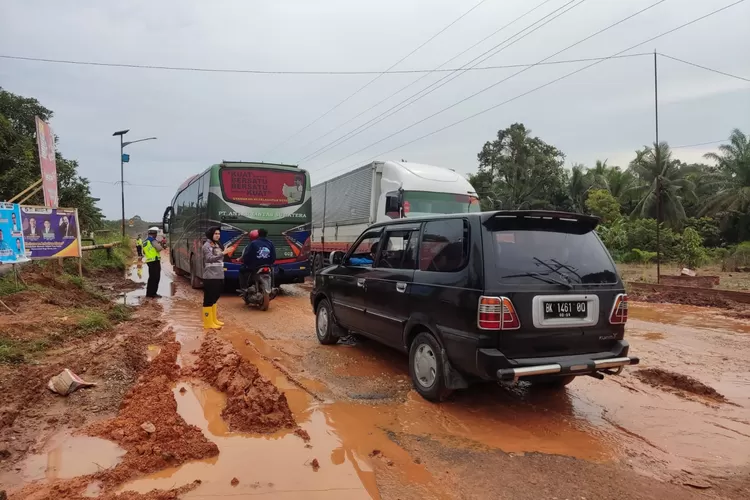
x=240 y=197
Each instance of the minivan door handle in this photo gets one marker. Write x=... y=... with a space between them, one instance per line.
x=401 y=287
x=361 y=282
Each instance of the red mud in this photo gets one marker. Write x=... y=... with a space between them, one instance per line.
x=173 y=443
x=679 y=297
x=676 y=382
x=253 y=403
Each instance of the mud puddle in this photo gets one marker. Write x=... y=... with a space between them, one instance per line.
x=71 y=456
x=277 y=464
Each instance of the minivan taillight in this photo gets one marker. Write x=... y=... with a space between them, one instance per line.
x=497 y=313
x=619 y=314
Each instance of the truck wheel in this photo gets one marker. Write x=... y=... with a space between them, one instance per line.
x=317 y=263
x=426 y=368
x=324 y=326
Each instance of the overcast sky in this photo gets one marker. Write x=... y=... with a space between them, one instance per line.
x=605 y=112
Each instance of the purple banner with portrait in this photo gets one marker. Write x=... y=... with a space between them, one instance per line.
x=51 y=232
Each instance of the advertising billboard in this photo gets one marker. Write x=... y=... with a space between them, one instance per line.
x=262 y=187
x=46 y=142
x=50 y=232
x=12 y=247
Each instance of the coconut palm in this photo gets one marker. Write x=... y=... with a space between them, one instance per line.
x=578 y=187
x=665 y=176
x=731 y=182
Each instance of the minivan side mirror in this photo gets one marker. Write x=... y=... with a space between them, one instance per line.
x=337 y=258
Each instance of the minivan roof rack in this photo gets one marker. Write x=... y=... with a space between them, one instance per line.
x=589 y=220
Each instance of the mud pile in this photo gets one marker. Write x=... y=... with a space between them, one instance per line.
x=684 y=298
x=253 y=403
x=168 y=441
x=677 y=382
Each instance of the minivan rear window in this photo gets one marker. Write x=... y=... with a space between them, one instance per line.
x=529 y=250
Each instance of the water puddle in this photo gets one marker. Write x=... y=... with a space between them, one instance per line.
x=71 y=456
x=273 y=465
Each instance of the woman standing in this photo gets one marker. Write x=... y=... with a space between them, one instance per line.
x=213 y=276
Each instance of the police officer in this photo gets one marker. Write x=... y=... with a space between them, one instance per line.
x=151 y=250
x=139 y=246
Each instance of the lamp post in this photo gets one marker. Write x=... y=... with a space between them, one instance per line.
x=121 y=133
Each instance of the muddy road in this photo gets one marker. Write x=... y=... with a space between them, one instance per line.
x=678 y=426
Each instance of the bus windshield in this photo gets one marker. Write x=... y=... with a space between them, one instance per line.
x=418 y=203
x=262 y=187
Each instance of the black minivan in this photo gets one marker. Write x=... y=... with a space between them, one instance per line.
x=502 y=296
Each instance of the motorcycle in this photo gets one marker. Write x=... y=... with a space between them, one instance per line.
x=262 y=291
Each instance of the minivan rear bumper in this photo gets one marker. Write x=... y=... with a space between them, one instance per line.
x=494 y=365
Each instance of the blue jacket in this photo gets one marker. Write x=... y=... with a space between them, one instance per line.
x=260 y=252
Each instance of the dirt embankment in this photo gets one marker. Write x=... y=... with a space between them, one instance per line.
x=63 y=322
x=685 y=297
x=149 y=428
x=253 y=403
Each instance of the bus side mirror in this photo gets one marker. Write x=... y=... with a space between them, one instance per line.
x=167 y=219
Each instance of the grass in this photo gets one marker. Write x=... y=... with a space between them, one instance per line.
x=93 y=321
x=120 y=313
x=15 y=351
x=8 y=285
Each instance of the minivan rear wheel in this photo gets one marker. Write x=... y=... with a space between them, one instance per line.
x=426 y=368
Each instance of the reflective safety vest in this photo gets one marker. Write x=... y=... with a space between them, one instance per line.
x=150 y=252
x=139 y=242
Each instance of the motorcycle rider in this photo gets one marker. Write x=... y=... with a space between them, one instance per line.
x=260 y=252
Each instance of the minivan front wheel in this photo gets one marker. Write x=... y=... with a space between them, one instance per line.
x=426 y=368
x=324 y=327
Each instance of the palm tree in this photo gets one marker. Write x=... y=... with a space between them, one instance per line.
x=665 y=179
x=731 y=183
x=619 y=183
x=578 y=187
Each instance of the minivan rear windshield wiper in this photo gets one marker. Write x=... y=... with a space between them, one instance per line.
x=557 y=269
x=541 y=277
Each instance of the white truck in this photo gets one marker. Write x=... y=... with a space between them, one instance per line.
x=344 y=206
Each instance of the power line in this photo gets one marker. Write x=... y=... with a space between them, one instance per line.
x=505 y=79
x=373 y=80
x=698 y=144
x=705 y=67
x=437 y=69
x=393 y=72
x=551 y=82
x=114 y=183
x=442 y=82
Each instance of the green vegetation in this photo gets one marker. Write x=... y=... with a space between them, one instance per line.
x=19 y=161
x=705 y=208
x=120 y=313
x=92 y=321
x=93 y=312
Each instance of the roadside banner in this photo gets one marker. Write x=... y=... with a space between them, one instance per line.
x=12 y=247
x=46 y=142
x=51 y=232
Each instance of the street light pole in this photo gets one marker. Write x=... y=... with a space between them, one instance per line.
x=122 y=176
x=122 y=169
